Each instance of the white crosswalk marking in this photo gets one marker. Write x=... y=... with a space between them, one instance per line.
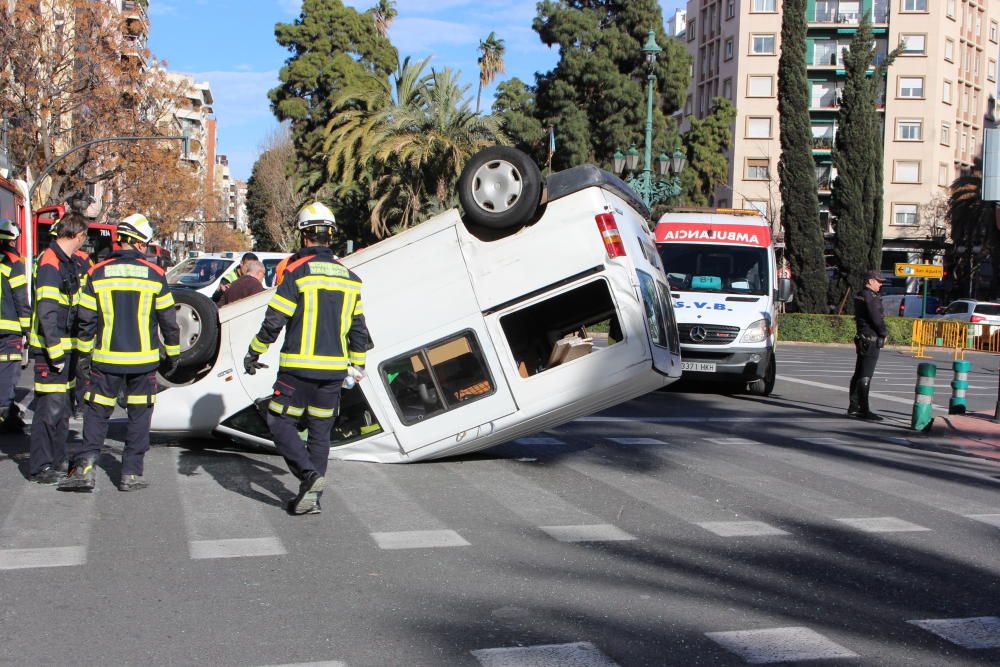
x=391 y=516
x=325 y=663
x=732 y=441
x=974 y=633
x=741 y=528
x=760 y=647
x=555 y=516
x=223 y=519
x=883 y=524
x=637 y=441
x=991 y=519
x=580 y=654
x=46 y=528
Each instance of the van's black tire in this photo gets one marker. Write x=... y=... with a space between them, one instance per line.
x=198 y=319
x=500 y=188
x=764 y=386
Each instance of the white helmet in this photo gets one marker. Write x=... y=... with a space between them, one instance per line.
x=315 y=215
x=9 y=231
x=137 y=227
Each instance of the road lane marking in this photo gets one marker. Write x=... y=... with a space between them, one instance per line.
x=733 y=441
x=46 y=528
x=741 y=528
x=324 y=663
x=883 y=524
x=222 y=505
x=526 y=499
x=972 y=633
x=991 y=519
x=760 y=647
x=603 y=532
x=393 y=518
x=580 y=654
x=874 y=394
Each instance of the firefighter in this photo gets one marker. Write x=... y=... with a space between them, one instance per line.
x=124 y=302
x=15 y=320
x=871 y=335
x=53 y=321
x=319 y=305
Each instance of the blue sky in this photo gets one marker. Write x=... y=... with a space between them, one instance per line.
x=230 y=43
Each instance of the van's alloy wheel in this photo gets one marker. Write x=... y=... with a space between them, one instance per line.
x=500 y=188
x=496 y=186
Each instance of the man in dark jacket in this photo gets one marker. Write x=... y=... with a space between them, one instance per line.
x=15 y=320
x=870 y=338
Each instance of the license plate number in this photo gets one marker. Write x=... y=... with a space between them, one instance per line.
x=700 y=366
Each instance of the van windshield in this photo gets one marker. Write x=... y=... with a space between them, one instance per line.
x=709 y=267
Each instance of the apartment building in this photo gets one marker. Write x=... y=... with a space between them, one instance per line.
x=939 y=96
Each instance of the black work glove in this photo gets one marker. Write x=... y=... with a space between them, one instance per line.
x=250 y=363
x=881 y=342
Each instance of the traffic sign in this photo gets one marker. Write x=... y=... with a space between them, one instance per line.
x=920 y=270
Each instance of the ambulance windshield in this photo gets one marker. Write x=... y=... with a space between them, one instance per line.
x=711 y=267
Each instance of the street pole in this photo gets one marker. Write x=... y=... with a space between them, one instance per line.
x=923 y=306
x=647 y=164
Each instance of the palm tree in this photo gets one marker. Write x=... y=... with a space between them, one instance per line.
x=491 y=52
x=383 y=13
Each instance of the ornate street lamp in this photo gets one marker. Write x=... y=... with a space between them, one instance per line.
x=651 y=191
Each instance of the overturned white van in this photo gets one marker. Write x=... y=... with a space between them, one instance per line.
x=515 y=320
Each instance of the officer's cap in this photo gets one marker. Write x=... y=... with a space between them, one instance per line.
x=874 y=275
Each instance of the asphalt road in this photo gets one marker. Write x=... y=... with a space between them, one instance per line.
x=683 y=528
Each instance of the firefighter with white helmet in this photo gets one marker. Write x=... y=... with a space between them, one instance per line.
x=15 y=318
x=311 y=215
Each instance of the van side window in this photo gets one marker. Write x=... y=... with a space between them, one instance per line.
x=562 y=328
x=437 y=378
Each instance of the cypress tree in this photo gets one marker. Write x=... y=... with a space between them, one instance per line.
x=796 y=169
x=857 y=154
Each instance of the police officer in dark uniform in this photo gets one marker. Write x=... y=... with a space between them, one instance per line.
x=57 y=291
x=871 y=335
x=319 y=305
x=125 y=306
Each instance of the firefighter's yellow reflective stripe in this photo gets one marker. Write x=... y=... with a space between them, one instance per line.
x=19 y=281
x=282 y=305
x=100 y=399
x=10 y=325
x=108 y=309
x=165 y=301
x=328 y=282
x=294 y=411
x=126 y=358
x=143 y=314
x=10 y=357
x=25 y=322
x=50 y=293
x=356 y=358
x=144 y=399
x=282 y=409
x=5 y=270
x=257 y=346
x=85 y=346
x=130 y=284
x=64 y=345
x=51 y=387
x=314 y=362
x=322 y=413
x=358 y=308
x=277 y=408
x=88 y=301
x=309 y=322
x=172 y=350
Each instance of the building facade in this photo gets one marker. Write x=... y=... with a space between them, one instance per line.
x=939 y=96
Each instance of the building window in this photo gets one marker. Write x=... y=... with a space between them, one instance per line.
x=906 y=171
x=913 y=44
x=993 y=31
x=904 y=215
x=692 y=32
x=760 y=86
x=909 y=130
x=911 y=86
x=991 y=69
x=758 y=169
x=949 y=50
x=758 y=127
x=759 y=205
x=965 y=143
x=943 y=174
x=945 y=134
x=730 y=9
x=946 y=91
x=727 y=89
x=914 y=5
x=762 y=45
x=763 y=6
x=949 y=9
x=729 y=48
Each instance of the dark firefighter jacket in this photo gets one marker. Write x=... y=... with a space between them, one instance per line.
x=319 y=301
x=125 y=299
x=57 y=291
x=15 y=313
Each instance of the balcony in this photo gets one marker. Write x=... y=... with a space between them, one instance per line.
x=823 y=143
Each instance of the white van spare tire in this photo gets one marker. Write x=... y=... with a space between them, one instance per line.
x=500 y=188
x=198 y=319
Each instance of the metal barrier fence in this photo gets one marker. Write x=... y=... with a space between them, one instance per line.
x=954 y=335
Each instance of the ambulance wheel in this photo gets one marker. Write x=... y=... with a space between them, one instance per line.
x=500 y=188
x=764 y=386
x=198 y=320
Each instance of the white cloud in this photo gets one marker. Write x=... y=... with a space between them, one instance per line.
x=293 y=7
x=420 y=35
x=160 y=8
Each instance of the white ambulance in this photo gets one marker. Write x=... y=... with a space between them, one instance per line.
x=720 y=264
x=534 y=308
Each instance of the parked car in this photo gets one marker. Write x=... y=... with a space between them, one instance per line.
x=909 y=305
x=528 y=311
x=975 y=312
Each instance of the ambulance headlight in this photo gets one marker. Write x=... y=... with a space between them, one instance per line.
x=756 y=332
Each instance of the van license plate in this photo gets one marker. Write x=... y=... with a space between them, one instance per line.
x=700 y=366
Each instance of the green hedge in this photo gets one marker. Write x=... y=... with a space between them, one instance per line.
x=836 y=328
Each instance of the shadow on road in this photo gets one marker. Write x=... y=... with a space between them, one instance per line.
x=245 y=475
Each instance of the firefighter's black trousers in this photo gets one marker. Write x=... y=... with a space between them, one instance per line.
x=50 y=425
x=313 y=401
